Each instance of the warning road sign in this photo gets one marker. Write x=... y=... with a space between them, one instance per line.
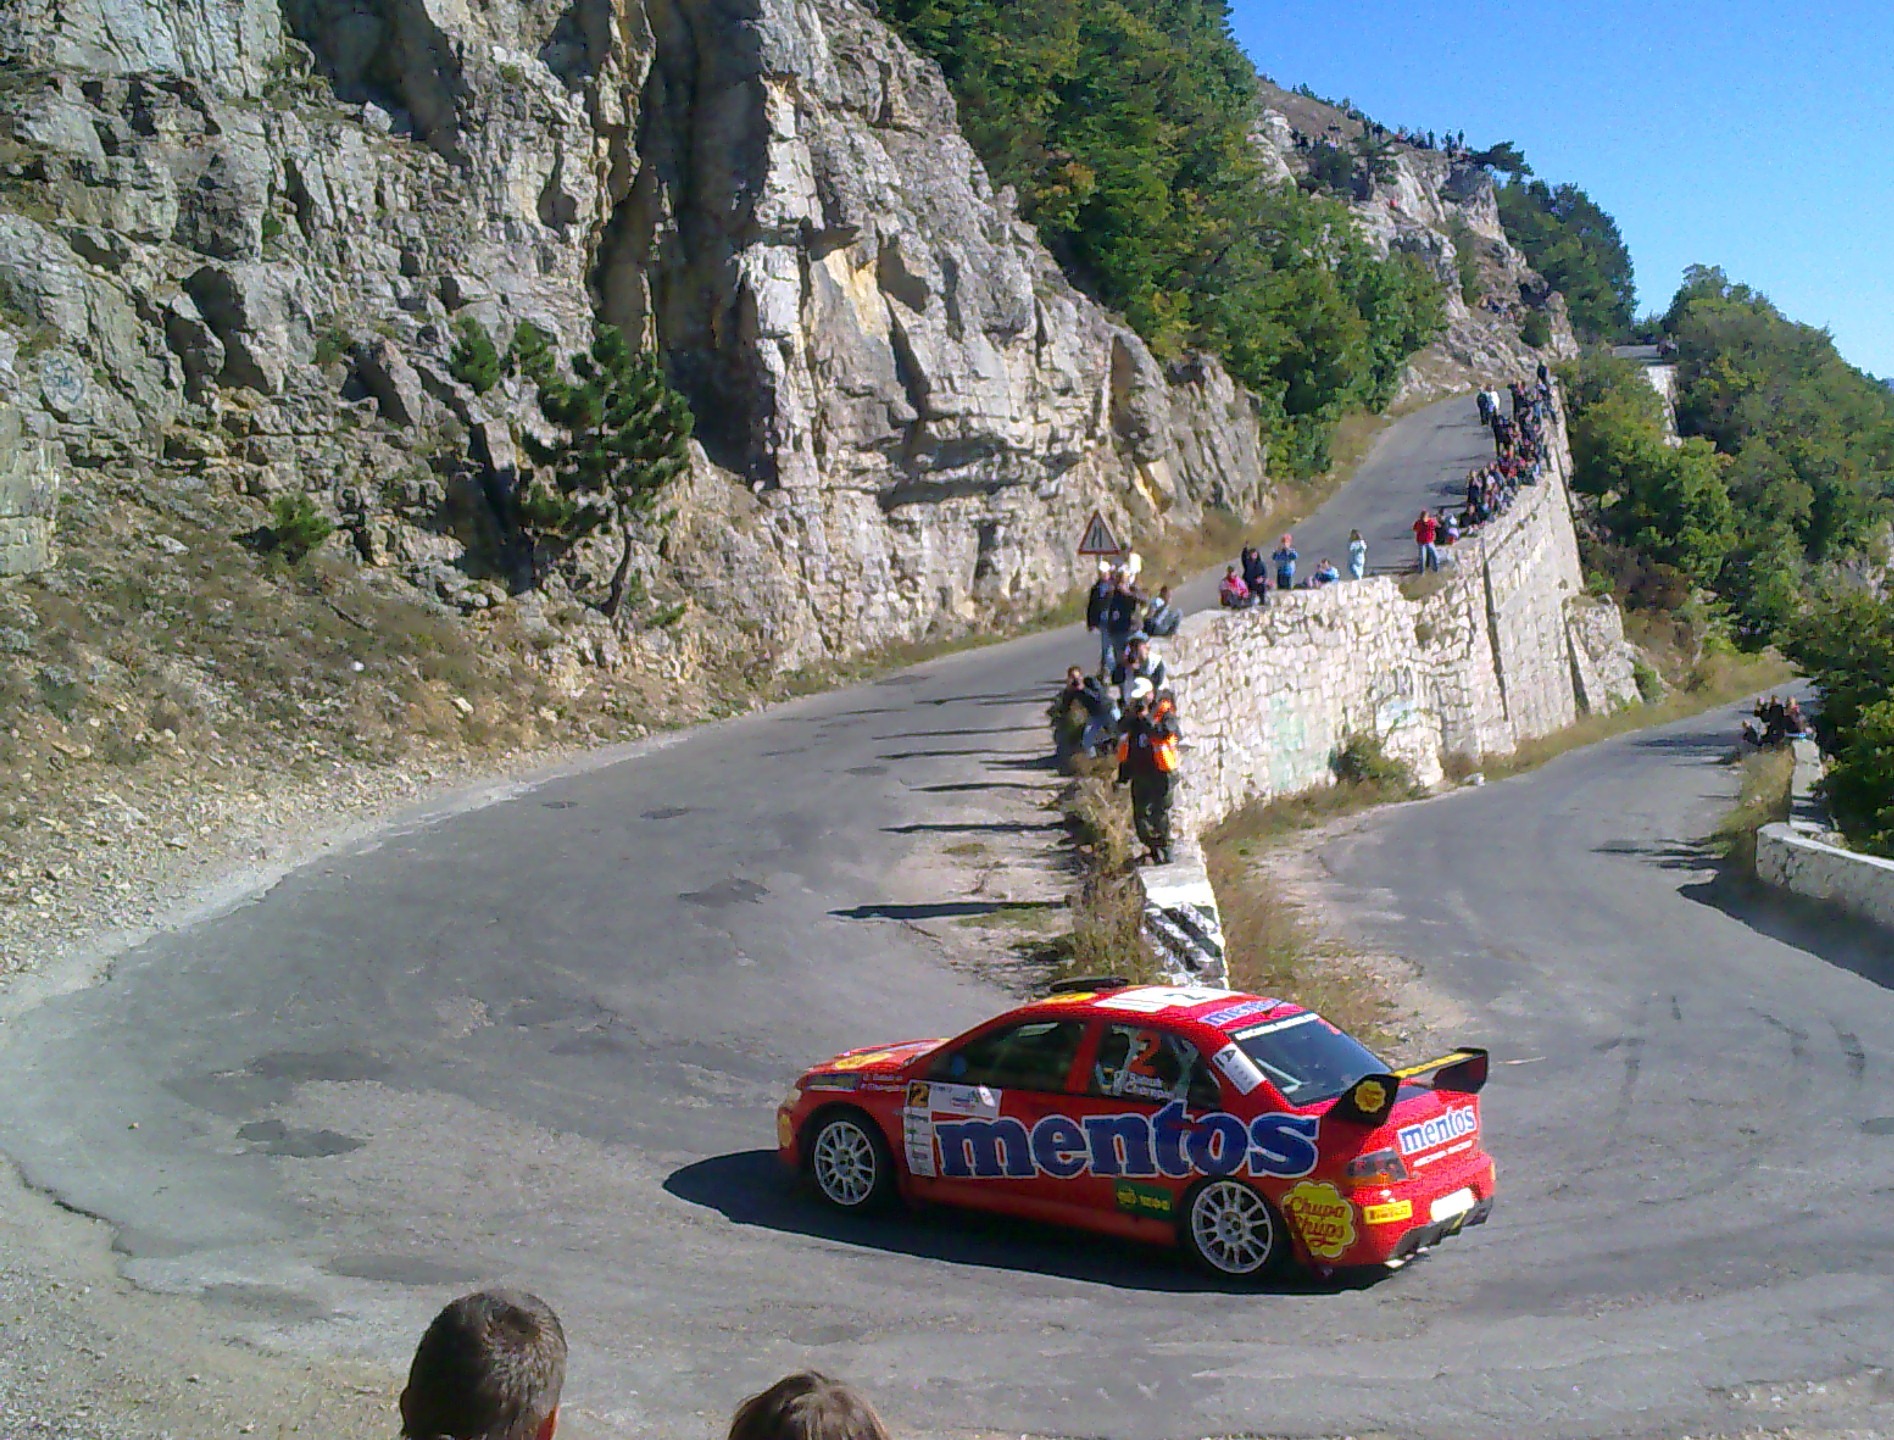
x=1098 y=538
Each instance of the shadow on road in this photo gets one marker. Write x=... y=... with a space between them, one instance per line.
x=1827 y=934
x=751 y=1188
x=944 y=910
x=975 y=827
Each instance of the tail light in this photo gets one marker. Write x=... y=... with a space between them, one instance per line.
x=1377 y=1167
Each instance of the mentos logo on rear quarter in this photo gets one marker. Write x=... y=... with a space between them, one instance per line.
x=1450 y=1125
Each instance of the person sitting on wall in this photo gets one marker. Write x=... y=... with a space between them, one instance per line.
x=1233 y=594
x=1325 y=574
x=1163 y=618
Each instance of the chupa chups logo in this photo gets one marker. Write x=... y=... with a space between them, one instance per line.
x=1324 y=1216
x=1136 y=1146
x=1449 y=1125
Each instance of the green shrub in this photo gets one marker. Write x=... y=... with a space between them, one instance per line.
x=1536 y=330
x=530 y=355
x=474 y=361
x=1859 y=786
x=332 y=343
x=1364 y=761
x=296 y=526
x=1650 y=684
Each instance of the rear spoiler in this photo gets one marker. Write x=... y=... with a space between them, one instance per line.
x=1370 y=1100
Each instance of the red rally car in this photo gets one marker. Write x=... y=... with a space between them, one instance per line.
x=1250 y=1131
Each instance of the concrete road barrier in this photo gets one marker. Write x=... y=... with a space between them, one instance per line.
x=1797 y=855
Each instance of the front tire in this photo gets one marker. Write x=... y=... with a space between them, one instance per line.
x=1232 y=1232
x=850 y=1163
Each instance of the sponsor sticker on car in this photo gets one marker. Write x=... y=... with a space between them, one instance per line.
x=1444 y=1128
x=1324 y=1216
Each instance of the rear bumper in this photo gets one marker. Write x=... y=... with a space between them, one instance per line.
x=1425 y=1237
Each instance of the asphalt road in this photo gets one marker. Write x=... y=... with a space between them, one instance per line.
x=540 y=1043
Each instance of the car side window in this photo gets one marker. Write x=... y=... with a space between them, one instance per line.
x=1034 y=1055
x=1138 y=1062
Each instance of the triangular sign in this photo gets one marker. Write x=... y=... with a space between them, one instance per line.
x=1098 y=538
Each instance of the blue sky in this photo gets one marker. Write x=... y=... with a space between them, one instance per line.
x=1755 y=136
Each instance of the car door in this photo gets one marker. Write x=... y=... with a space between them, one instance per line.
x=971 y=1130
x=1146 y=1091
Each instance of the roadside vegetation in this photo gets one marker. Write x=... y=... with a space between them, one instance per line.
x=1764 y=532
x=1271 y=945
x=1124 y=127
x=1762 y=800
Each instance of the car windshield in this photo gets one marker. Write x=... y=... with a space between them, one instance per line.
x=1306 y=1058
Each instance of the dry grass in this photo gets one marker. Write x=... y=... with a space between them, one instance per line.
x=1715 y=679
x=1768 y=776
x=1107 y=933
x=1272 y=949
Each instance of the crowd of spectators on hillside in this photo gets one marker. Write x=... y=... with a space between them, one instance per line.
x=1127 y=702
x=492 y=1366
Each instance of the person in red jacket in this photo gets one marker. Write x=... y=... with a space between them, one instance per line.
x=1426 y=532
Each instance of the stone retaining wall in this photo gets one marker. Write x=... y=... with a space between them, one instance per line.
x=1507 y=649
x=1795 y=857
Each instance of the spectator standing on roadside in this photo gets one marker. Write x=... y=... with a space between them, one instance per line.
x=1357 y=555
x=1485 y=402
x=490 y=1367
x=1163 y=618
x=1255 y=572
x=1147 y=759
x=807 y=1406
x=1121 y=617
x=1095 y=605
x=1285 y=561
x=1426 y=531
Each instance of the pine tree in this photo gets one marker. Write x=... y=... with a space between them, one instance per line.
x=624 y=436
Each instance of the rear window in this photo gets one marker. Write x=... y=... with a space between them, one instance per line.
x=1306 y=1058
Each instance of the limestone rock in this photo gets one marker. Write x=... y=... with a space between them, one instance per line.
x=259 y=218
x=29 y=493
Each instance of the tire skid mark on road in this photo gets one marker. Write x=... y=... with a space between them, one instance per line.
x=1852 y=1052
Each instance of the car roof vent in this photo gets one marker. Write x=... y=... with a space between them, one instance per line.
x=1088 y=982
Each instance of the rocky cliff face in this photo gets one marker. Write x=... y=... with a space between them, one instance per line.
x=1433 y=205
x=236 y=238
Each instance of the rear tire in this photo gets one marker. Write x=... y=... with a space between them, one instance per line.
x=849 y=1162
x=1232 y=1232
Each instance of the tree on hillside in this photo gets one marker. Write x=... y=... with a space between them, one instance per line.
x=623 y=436
x=1810 y=436
x=1504 y=158
x=1567 y=238
x=1126 y=129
